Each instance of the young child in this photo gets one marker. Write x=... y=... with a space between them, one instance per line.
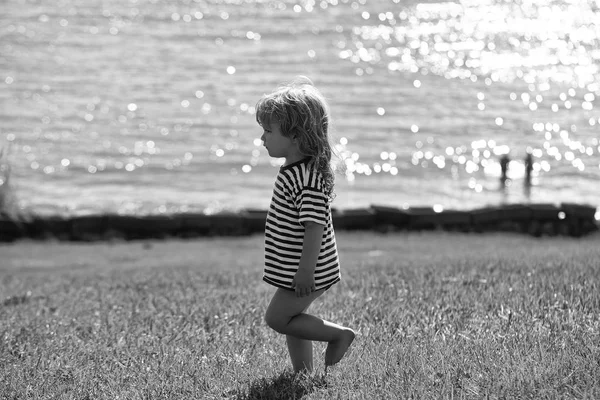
x=301 y=258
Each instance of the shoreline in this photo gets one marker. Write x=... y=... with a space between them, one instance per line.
x=542 y=219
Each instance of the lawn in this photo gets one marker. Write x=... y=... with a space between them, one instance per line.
x=438 y=315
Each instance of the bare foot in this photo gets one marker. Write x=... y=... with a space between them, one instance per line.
x=337 y=348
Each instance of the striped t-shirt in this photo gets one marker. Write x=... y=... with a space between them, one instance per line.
x=298 y=197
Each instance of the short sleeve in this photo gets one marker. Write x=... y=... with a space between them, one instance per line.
x=312 y=206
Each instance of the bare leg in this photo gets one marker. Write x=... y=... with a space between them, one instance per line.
x=301 y=353
x=285 y=316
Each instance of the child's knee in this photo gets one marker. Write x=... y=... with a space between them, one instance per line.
x=274 y=321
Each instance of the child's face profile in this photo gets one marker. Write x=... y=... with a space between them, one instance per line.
x=278 y=145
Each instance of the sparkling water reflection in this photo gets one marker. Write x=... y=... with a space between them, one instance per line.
x=147 y=105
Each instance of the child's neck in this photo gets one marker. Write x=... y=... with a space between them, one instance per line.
x=293 y=158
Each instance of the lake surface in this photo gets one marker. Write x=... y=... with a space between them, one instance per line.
x=147 y=106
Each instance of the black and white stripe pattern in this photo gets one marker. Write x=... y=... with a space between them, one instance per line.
x=298 y=197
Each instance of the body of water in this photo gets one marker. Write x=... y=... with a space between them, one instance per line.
x=147 y=106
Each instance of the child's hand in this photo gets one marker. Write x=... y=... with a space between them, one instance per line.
x=303 y=283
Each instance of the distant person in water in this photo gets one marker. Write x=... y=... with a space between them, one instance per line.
x=504 y=161
x=301 y=259
x=528 y=168
x=528 y=171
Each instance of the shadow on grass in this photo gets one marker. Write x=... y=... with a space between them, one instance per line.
x=285 y=386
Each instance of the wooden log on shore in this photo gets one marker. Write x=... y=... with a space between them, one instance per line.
x=485 y=219
x=193 y=225
x=89 y=227
x=228 y=224
x=11 y=229
x=390 y=218
x=536 y=219
x=515 y=217
x=545 y=212
x=50 y=228
x=455 y=220
x=255 y=220
x=580 y=219
x=516 y=212
x=143 y=227
x=354 y=219
x=545 y=219
x=422 y=218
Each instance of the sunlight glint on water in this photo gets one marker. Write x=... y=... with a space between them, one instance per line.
x=148 y=106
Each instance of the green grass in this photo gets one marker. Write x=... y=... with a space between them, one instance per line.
x=438 y=315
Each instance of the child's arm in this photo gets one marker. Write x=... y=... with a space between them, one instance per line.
x=304 y=281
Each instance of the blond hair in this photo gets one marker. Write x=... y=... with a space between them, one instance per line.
x=302 y=111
